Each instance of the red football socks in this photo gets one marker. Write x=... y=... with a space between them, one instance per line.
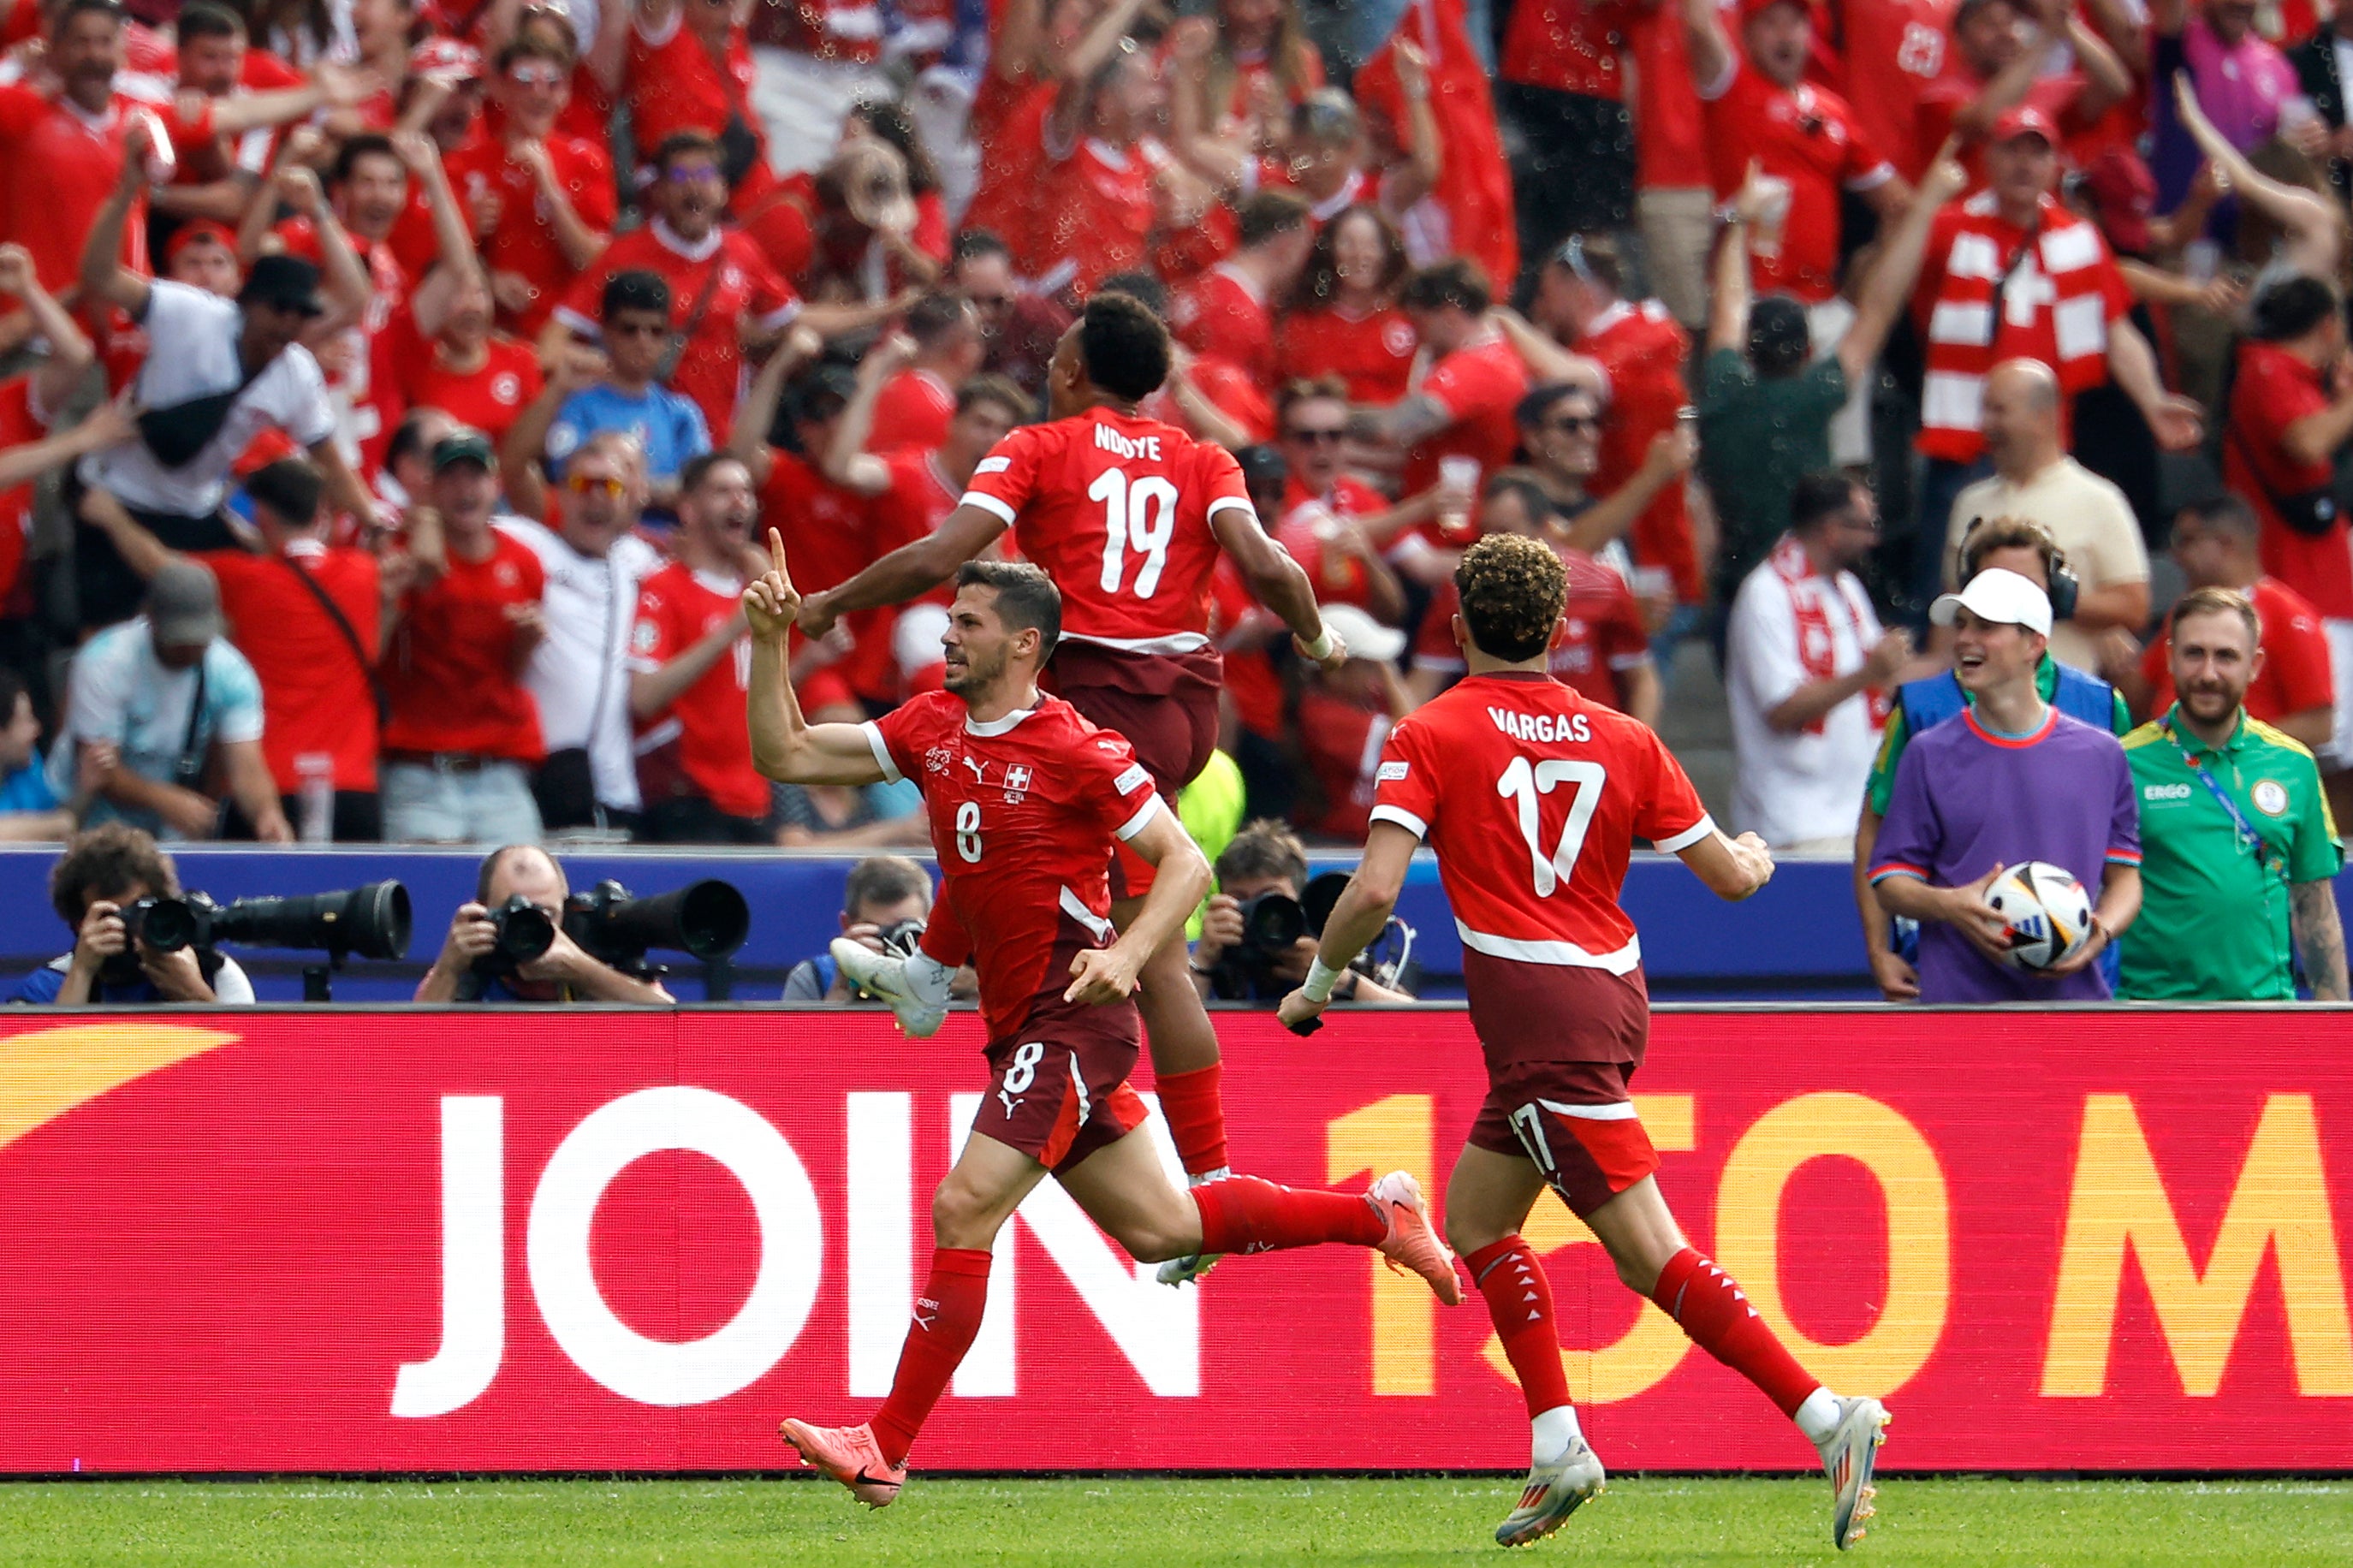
x=1708 y=1305
x=1244 y=1214
x=947 y=1315
x=1195 y=1117
x=1519 y=1298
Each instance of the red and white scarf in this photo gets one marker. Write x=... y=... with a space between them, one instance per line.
x=1813 y=597
x=2057 y=274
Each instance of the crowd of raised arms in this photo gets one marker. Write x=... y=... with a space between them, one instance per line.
x=399 y=390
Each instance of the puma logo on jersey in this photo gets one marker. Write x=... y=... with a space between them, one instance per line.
x=1012 y=1103
x=1130 y=446
x=1541 y=726
x=979 y=769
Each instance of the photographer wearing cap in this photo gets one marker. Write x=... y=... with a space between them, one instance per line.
x=97 y=887
x=521 y=885
x=1241 y=956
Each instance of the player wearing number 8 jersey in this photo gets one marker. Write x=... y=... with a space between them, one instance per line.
x=1025 y=800
x=1532 y=794
x=1127 y=516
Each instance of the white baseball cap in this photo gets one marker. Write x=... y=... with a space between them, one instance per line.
x=1366 y=638
x=1999 y=596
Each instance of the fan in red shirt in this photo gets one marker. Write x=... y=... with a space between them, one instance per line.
x=1228 y=314
x=721 y=287
x=1027 y=801
x=1326 y=513
x=1760 y=108
x=30 y=402
x=543 y=201
x=1602 y=650
x=1642 y=351
x=1532 y=796
x=1096 y=204
x=1128 y=516
x=691 y=70
x=1460 y=414
x=1672 y=195
x=316 y=664
x=462 y=729
x=2218 y=545
x=690 y=665
x=480 y=377
x=1347 y=322
x=213 y=176
x=944 y=350
x=2003 y=51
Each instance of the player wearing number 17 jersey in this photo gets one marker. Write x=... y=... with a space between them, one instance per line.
x=1533 y=795
x=1025 y=800
x=1127 y=516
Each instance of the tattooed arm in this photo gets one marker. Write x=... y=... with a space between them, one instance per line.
x=2319 y=937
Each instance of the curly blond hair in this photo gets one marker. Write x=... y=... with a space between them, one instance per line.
x=1513 y=590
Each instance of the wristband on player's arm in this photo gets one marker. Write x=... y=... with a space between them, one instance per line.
x=1320 y=978
x=1321 y=649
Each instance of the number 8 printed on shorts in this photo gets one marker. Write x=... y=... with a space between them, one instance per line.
x=968 y=832
x=1023 y=1072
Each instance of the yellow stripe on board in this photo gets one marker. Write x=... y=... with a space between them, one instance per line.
x=44 y=1073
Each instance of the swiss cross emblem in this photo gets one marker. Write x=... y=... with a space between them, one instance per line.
x=1017 y=785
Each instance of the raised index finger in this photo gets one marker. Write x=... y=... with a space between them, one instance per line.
x=777 y=556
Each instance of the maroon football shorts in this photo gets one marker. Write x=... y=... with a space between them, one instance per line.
x=1058 y=1086
x=1166 y=707
x=1562 y=1047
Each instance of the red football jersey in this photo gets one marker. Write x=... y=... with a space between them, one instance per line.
x=1373 y=354
x=490 y=399
x=1024 y=811
x=62 y=167
x=1116 y=510
x=450 y=674
x=524 y=240
x=678 y=607
x=1223 y=316
x=2296 y=677
x=1533 y=796
x=20 y=425
x=1605 y=631
x=1808 y=137
x=914 y=409
x=1643 y=351
x=315 y=696
x=1093 y=214
x=1479 y=384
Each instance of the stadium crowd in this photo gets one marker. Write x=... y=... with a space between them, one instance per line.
x=400 y=386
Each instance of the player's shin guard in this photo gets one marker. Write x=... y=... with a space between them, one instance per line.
x=1709 y=1306
x=1197 y=1118
x=1519 y=1298
x=946 y=1317
x=1247 y=1214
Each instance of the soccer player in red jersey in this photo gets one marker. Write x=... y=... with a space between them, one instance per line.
x=1533 y=795
x=1228 y=313
x=1127 y=516
x=1025 y=800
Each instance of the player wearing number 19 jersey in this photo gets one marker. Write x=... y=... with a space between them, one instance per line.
x=1127 y=516
x=1025 y=800
x=1533 y=795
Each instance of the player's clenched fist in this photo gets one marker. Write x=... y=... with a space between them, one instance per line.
x=1103 y=974
x=770 y=604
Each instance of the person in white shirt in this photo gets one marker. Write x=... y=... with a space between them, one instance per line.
x=595 y=562
x=2087 y=518
x=1806 y=660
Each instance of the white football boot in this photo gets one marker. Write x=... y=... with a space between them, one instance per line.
x=1849 y=1455
x=887 y=977
x=1187 y=1270
x=1554 y=1492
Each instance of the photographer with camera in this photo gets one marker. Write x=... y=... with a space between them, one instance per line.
x=884 y=906
x=1255 y=943
x=102 y=887
x=509 y=945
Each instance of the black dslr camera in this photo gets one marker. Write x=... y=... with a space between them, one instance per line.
x=372 y=921
x=1273 y=924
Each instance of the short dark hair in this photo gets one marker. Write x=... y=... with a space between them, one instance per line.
x=408 y=435
x=696 y=469
x=13 y=690
x=635 y=289
x=1143 y=284
x=289 y=487
x=888 y=118
x=1270 y=212
x=1532 y=411
x=2225 y=511
x=1301 y=389
x=72 y=8
x=366 y=144
x=1124 y=346
x=1266 y=849
x=1001 y=390
x=883 y=879
x=1532 y=496
x=1983 y=536
x=1593 y=258
x=686 y=144
x=975 y=243
x=934 y=316
x=2290 y=308
x=1512 y=589
x=1027 y=599
x=1820 y=496
x=1458 y=282
x=108 y=858
x=491 y=861
x=205 y=19
x=2215 y=601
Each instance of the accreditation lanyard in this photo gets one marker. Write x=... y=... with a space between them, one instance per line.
x=2249 y=839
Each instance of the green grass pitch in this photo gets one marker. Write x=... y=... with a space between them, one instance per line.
x=1097 y=1523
